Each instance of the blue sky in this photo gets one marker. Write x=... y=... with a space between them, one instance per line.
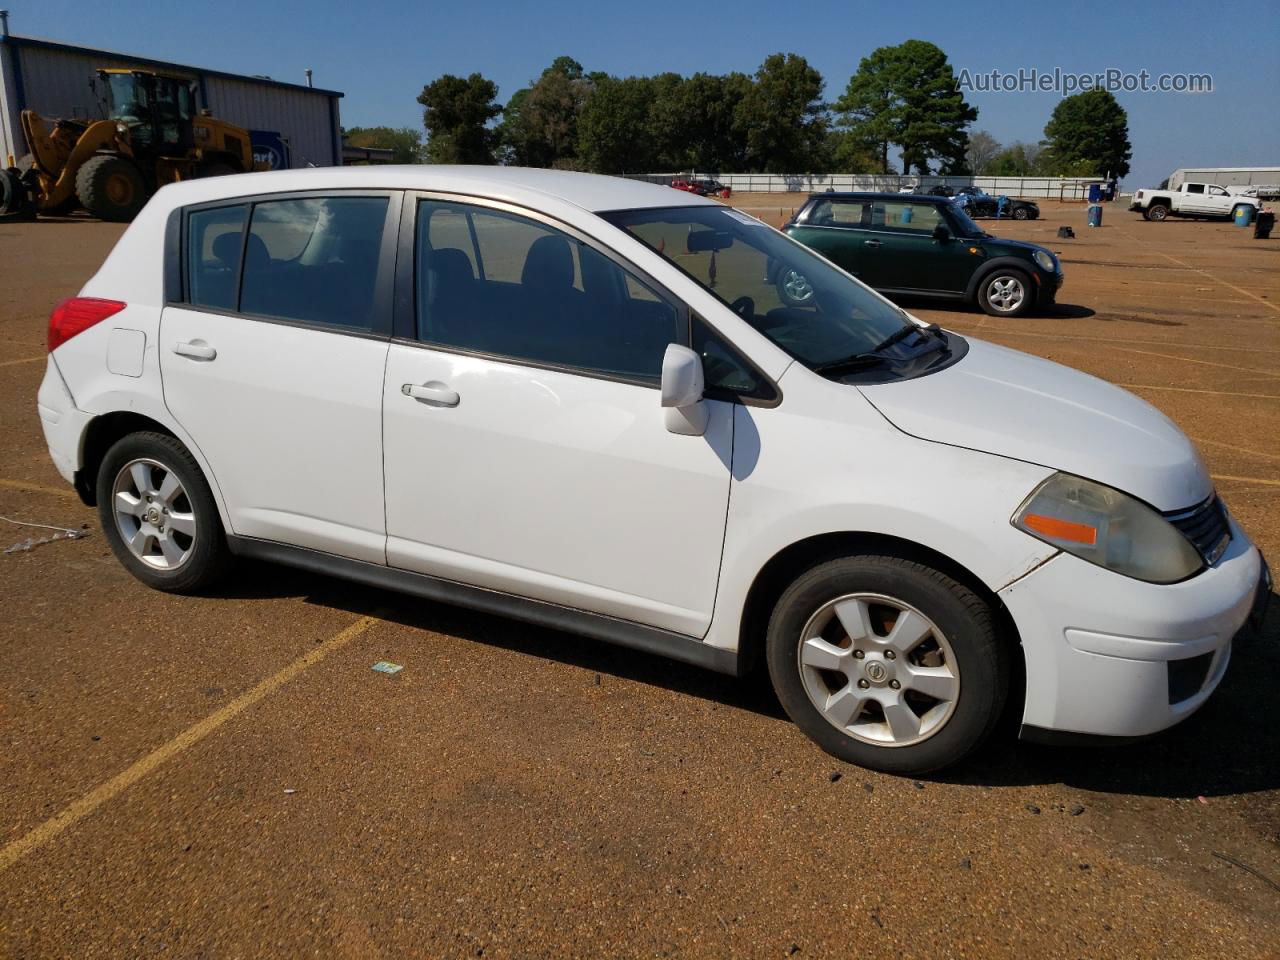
x=381 y=54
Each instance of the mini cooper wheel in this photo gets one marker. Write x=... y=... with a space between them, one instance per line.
x=794 y=288
x=159 y=515
x=887 y=663
x=1005 y=293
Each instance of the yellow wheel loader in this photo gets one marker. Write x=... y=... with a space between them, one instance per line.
x=152 y=135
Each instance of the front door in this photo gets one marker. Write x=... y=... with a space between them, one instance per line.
x=273 y=364
x=525 y=445
x=910 y=257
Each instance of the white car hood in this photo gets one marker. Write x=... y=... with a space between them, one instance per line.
x=1014 y=405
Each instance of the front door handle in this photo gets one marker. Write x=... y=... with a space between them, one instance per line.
x=433 y=393
x=195 y=349
x=871 y=243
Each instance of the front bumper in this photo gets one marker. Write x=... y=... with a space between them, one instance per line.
x=1047 y=287
x=1112 y=656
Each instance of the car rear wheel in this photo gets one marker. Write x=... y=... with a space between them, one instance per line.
x=888 y=663
x=158 y=514
x=1005 y=293
x=794 y=289
x=1156 y=212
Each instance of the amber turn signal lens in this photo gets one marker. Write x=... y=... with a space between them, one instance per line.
x=1061 y=529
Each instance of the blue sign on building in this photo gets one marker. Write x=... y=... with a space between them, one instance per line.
x=270 y=149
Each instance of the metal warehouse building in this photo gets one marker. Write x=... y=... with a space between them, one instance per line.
x=53 y=80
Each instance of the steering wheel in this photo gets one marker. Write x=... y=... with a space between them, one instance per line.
x=744 y=307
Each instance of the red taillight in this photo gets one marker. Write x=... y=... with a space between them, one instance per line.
x=77 y=314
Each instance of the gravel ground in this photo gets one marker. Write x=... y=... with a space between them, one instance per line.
x=226 y=777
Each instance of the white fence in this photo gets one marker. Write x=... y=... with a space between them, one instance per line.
x=1057 y=188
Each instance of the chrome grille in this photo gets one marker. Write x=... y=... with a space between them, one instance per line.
x=1205 y=526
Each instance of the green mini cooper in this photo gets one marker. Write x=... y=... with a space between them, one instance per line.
x=920 y=246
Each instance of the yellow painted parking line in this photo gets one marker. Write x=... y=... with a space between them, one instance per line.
x=1214 y=393
x=1265 y=483
x=1216 y=279
x=14 y=363
x=998 y=332
x=78 y=810
x=1259 y=374
x=65 y=492
x=1229 y=446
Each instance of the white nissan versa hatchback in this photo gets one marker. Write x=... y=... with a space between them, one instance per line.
x=578 y=400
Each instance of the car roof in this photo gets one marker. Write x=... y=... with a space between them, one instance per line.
x=522 y=185
x=864 y=195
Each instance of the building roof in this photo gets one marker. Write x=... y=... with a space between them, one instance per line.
x=36 y=42
x=522 y=185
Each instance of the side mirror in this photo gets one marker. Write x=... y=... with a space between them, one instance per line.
x=684 y=411
x=941 y=233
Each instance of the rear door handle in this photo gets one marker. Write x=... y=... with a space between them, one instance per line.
x=433 y=393
x=195 y=349
x=871 y=243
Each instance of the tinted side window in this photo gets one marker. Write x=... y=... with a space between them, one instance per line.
x=499 y=283
x=213 y=256
x=1195 y=188
x=314 y=260
x=839 y=213
x=910 y=217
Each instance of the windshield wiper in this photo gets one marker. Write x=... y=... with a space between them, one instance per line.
x=855 y=362
x=899 y=335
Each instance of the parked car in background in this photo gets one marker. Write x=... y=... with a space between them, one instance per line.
x=922 y=245
x=689 y=186
x=1207 y=200
x=714 y=188
x=980 y=204
x=574 y=400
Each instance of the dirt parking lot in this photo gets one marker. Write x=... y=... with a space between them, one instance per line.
x=225 y=776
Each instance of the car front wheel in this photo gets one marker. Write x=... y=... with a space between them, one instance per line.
x=158 y=514
x=1005 y=293
x=888 y=663
x=1156 y=212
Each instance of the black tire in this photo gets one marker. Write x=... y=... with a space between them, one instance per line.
x=1005 y=275
x=13 y=193
x=111 y=188
x=208 y=557
x=1020 y=213
x=982 y=660
x=1156 y=212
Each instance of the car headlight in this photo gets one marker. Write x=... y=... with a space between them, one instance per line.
x=1045 y=259
x=1107 y=527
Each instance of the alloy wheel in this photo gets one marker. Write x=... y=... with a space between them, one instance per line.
x=878 y=670
x=1006 y=294
x=153 y=514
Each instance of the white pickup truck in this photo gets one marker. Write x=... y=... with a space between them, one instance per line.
x=1191 y=200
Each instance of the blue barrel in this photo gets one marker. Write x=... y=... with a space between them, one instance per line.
x=1095 y=214
x=1095 y=195
x=906 y=214
x=1244 y=215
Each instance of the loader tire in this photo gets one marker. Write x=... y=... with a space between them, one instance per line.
x=111 y=188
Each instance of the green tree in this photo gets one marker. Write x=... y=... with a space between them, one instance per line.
x=457 y=114
x=540 y=127
x=783 y=117
x=907 y=96
x=1088 y=135
x=405 y=141
x=612 y=126
x=983 y=149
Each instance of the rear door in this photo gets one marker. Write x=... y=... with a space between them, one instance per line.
x=273 y=356
x=1217 y=200
x=838 y=229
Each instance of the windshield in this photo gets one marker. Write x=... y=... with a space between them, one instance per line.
x=811 y=309
x=126 y=98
